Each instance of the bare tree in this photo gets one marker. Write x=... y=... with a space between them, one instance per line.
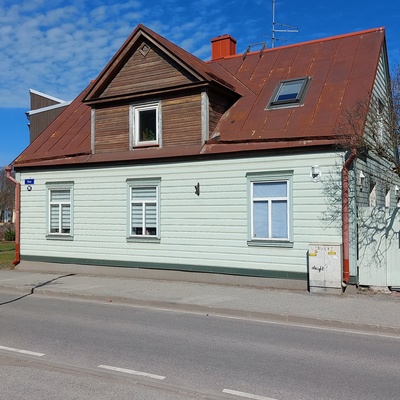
x=372 y=125
x=7 y=193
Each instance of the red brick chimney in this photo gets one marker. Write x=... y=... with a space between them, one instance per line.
x=223 y=46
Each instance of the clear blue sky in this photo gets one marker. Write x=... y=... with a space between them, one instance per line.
x=57 y=47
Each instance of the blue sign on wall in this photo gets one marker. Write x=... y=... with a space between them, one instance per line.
x=29 y=181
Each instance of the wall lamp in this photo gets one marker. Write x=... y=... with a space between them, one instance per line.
x=361 y=180
x=396 y=191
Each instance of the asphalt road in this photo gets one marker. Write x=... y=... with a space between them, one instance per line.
x=94 y=350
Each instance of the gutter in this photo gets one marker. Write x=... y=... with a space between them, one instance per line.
x=345 y=217
x=17 y=214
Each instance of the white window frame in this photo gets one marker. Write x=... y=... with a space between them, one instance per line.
x=60 y=186
x=137 y=184
x=136 y=109
x=274 y=177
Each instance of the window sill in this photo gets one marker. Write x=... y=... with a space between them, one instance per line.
x=270 y=243
x=59 y=237
x=143 y=239
x=145 y=145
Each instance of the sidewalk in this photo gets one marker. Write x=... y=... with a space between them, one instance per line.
x=369 y=312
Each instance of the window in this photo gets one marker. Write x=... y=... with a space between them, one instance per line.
x=60 y=209
x=387 y=197
x=289 y=93
x=144 y=209
x=372 y=194
x=146 y=124
x=270 y=208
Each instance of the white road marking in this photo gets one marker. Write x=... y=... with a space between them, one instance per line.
x=132 y=372
x=246 y=395
x=31 y=353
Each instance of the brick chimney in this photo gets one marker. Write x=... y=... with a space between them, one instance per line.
x=223 y=46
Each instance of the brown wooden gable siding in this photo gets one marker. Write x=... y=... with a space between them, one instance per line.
x=218 y=105
x=141 y=74
x=181 y=121
x=181 y=124
x=112 y=129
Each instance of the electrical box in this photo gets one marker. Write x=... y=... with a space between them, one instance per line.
x=325 y=268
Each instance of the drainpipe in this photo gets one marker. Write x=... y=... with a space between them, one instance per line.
x=345 y=218
x=17 y=214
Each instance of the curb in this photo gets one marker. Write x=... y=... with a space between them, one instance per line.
x=306 y=321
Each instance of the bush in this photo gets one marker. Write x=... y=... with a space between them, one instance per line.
x=9 y=235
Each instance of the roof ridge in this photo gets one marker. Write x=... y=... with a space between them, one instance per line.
x=326 y=39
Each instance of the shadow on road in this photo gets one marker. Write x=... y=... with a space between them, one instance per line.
x=36 y=287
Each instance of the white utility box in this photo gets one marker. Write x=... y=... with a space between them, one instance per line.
x=325 y=268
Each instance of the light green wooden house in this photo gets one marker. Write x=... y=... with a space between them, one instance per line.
x=226 y=171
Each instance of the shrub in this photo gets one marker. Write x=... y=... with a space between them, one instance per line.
x=9 y=235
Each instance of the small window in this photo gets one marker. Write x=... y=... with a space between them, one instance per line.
x=146 y=124
x=144 y=209
x=289 y=93
x=387 y=197
x=372 y=194
x=60 y=210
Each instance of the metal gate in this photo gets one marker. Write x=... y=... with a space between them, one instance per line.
x=379 y=246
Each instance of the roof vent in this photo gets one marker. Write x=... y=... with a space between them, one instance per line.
x=223 y=46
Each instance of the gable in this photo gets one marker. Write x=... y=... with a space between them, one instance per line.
x=148 y=69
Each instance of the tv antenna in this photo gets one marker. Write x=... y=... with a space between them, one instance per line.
x=286 y=28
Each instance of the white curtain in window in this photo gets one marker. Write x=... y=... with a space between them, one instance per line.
x=60 y=211
x=144 y=210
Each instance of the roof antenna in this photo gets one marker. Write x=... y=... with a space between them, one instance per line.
x=288 y=28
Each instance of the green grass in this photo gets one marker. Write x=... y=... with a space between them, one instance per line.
x=7 y=255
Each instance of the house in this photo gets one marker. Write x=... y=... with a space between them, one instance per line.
x=227 y=170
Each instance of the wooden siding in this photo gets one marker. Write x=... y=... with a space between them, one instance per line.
x=181 y=121
x=218 y=106
x=112 y=129
x=141 y=74
x=206 y=230
x=38 y=101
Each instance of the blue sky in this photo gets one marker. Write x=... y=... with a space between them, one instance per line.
x=57 y=47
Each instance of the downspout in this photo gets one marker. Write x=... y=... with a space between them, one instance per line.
x=17 y=214
x=345 y=217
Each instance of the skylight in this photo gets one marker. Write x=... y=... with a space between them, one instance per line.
x=289 y=93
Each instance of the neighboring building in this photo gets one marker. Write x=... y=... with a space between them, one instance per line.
x=44 y=110
x=228 y=167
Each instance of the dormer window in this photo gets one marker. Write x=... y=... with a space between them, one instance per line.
x=289 y=93
x=146 y=125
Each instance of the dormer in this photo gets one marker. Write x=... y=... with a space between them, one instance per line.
x=154 y=94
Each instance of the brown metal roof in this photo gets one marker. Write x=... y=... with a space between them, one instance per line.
x=342 y=68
